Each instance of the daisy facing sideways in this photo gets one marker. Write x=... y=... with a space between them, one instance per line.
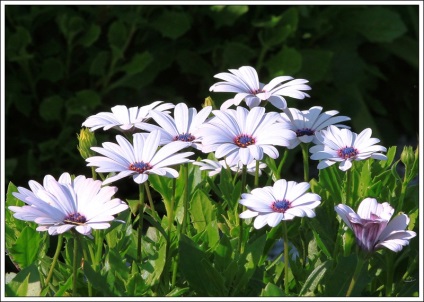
x=214 y=167
x=283 y=201
x=243 y=135
x=344 y=146
x=373 y=228
x=139 y=159
x=245 y=83
x=123 y=118
x=60 y=205
x=307 y=122
x=183 y=126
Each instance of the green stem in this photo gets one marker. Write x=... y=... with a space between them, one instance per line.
x=348 y=187
x=305 y=156
x=185 y=197
x=256 y=181
x=84 y=251
x=93 y=173
x=75 y=266
x=170 y=224
x=389 y=274
x=151 y=203
x=241 y=208
x=281 y=164
x=286 y=258
x=359 y=265
x=99 y=247
x=55 y=257
x=140 y=220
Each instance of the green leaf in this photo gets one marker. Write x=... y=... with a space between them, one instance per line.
x=193 y=263
x=83 y=102
x=99 y=63
x=315 y=278
x=172 y=24
x=288 y=61
x=98 y=281
x=23 y=284
x=315 y=64
x=226 y=15
x=26 y=247
x=379 y=24
x=272 y=290
x=90 y=36
x=237 y=54
x=138 y=63
x=51 y=108
x=203 y=214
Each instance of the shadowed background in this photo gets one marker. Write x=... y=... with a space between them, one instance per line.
x=64 y=63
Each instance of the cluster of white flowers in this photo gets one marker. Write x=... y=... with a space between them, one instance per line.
x=240 y=136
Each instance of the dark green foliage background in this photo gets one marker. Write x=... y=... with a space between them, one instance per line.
x=65 y=63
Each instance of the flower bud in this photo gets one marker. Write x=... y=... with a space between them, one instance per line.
x=209 y=102
x=407 y=156
x=86 y=139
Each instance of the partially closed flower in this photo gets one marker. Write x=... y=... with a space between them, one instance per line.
x=60 y=205
x=372 y=226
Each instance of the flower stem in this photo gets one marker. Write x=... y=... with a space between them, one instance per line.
x=243 y=185
x=286 y=258
x=185 y=197
x=55 y=257
x=84 y=251
x=174 y=263
x=305 y=156
x=389 y=274
x=149 y=197
x=359 y=265
x=140 y=220
x=280 y=165
x=348 y=187
x=75 y=266
x=256 y=182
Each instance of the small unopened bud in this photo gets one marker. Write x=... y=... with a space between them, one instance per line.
x=407 y=156
x=209 y=102
x=86 y=140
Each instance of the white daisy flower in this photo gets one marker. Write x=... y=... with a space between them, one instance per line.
x=372 y=226
x=244 y=81
x=307 y=122
x=183 y=126
x=60 y=205
x=283 y=201
x=243 y=135
x=214 y=167
x=139 y=159
x=344 y=146
x=123 y=118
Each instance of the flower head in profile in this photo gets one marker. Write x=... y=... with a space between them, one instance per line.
x=307 y=122
x=283 y=201
x=60 y=205
x=344 y=146
x=245 y=83
x=214 y=167
x=123 y=118
x=243 y=135
x=372 y=226
x=184 y=126
x=139 y=159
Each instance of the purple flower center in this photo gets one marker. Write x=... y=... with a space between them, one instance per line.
x=75 y=218
x=185 y=137
x=280 y=206
x=304 y=131
x=140 y=167
x=244 y=140
x=347 y=152
x=256 y=91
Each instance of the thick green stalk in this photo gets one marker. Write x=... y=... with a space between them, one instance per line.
x=149 y=197
x=349 y=201
x=256 y=182
x=305 y=156
x=55 y=257
x=359 y=264
x=84 y=251
x=75 y=266
x=174 y=263
x=241 y=209
x=281 y=164
x=185 y=197
x=286 y=258
x=140 y=220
